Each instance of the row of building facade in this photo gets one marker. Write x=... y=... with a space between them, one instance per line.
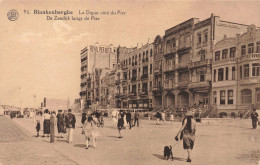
x=209 y=63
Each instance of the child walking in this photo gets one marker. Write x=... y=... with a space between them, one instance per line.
x=38 y=127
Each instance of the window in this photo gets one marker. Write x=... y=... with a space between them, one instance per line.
x=151 y=52
x=182 y=40
x=258 y=47
x=199 y=38
x=129 y=61
x=241 y=71
x=224 y=53
x=226 y=73
x=205 y=36
x=246 y=70
x=202 y=54
x=139 y=56
x=150 y=88
x=246 y=96
x=173 y=43
x=151 y=68
x=215 y=97
x=250 y=48
x=215 y=74
x=187 y=39
x=138 y=87
x=220 y=74
x=217 y=55
x=256 y=69
x=230 y=96
x=232 y=52
x=222 y=97
x=233 y=73
x=202 y=76
x=243 y=50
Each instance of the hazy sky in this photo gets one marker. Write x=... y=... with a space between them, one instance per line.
x=42 y=57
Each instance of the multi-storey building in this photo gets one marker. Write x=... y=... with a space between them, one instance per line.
x=236 y=73
x=172 y=56
x=134 y=81
x=206 y=34
x=92 y=57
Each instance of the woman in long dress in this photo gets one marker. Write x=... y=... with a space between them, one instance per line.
x=188 y=128
x=46 y=123
x=90 y=131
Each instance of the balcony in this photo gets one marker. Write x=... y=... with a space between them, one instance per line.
x=168 y=86
x=182 y=84
x=157 y=89
x=143 y=93
x=132 y=94
x=204 y=84
x=82 y=93
x=169 y=69
x=200 y=63
x=144 y=76
x=117 y=82
x=225 y=61
x=253 y=56
x=124 y=67
x=158 y=71
x=133 y=79
x=181 y=66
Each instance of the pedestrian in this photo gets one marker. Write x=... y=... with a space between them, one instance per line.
x=254 y=117
x=90 y=131
x=136 y=117
x=163 y=117
x=70 y=121
x=132 y=118
x=83 y=118
x=60 y=123
x=158 y=117
x=38 y=127
x=120 y=124
x=114 y=117
x=46 y=123
x=171 y=117
x=128 y=119
x=188 y=129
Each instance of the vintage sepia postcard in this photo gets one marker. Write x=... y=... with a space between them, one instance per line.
x=148 y=82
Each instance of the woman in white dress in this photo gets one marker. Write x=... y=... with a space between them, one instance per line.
x=90 y=131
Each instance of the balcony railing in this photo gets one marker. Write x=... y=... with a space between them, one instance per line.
x=253 y=56
x=199 y=84
x=143 y=93
x=132 y=94
x=169 y=68
x=133 y=79
x=225 y=61
x=181 y=65
x=182 y=84
x=200 y=63
x=144 y=76
x=168 y=86
x=158 y=70
x=157 y=89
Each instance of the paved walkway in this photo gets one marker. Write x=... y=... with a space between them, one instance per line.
x=232 y=143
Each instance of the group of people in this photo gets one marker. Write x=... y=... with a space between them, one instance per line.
x=65 y=123
x=121 y=119
x=162 y=116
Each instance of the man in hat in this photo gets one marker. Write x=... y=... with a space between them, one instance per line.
x=60 y=123
x=70 y=121
x=254 y=117
x=188 y=129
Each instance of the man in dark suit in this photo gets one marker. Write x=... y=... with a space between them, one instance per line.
x=254 y=117
x=70 y=121
x=128 y=119
x=136 y=117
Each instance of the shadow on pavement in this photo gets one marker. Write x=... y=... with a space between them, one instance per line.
x=174 y=158
x=61 y=140
x=113 y=136
x=80 y=145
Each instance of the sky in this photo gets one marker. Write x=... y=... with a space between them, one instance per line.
x=40 y=57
